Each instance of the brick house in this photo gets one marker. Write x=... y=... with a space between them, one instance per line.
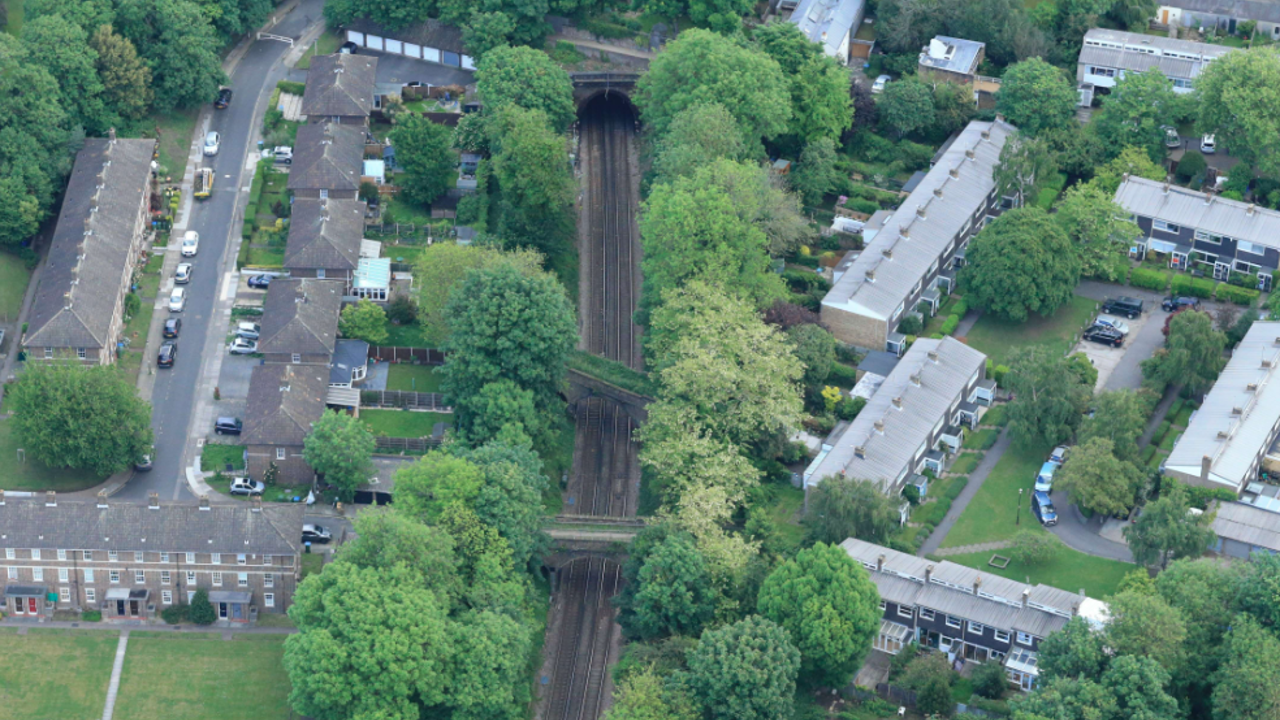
x=340 y=89
x=300 y=321
x=130 y=560
x=284 y=401
x=325 y=239
x=328 y=160
x=78 y=310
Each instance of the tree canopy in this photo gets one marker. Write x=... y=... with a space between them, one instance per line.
x=340 y=448
x=1048 y=397
x=820 y=106
x=841 y=508
x=1097 y=227
x=906 y=106
x=423 y=152
x=528 y=78
x=1135 y=111
x=1020 y=264
x=1097 y=480
x=442 y=266
x=1237 y=98
x=698 y=135
x=745 y=671
x=1192 y=356
x=364 y=320
x=1165 y=531
x=1035 y=96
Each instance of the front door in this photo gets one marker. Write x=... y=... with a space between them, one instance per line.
x=119 y=608
x=133 y=608
x=1221 y=271
x=222 y=610
x=235 y=611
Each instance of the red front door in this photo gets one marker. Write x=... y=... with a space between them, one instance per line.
x=31 y=606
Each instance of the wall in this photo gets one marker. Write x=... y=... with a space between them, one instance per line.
x=293 y=470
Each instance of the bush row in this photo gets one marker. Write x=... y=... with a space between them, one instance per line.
x=1237 y=295
x=293 y=88
x=1149 y=279
x=1192 y=286
x=842 y=375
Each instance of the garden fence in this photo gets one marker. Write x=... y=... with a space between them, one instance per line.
x=402 y=445
x=403 y=399
x=422 y=356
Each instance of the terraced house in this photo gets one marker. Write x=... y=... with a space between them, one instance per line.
x=340 y=89
x=326 y=239
x=284 y=402
x=328 y=159
x=131 y=560
x=1108 y=55
x=911 y=261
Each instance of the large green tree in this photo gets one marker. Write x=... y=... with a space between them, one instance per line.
x=1145 y=625
x=340 y=448
x=829 y=605
x=675 y=593
x=509 y=498
x=1119 y=416
x=906 y=106
x=815 y=348
x=1066 y=699
x=816 y=174
x=696 y=136
x=442 y=266
x=488 y=669
x=500 y=406
x=63 y=48
x=364 y=320
x=1097 y=227
x=1097 y=480
x=1191 y=357
x=437 y=480
x=423 y=151
x=1131 y=161
x=528 y=78
x=1139 y=685
x=126 y=79
x=1248 y=686
x=179 y=45
x=1035 y=96
x=1024 y=161
x=1075 y=652
x=533 y=175
x=642 y=696
x=820 y=105
x=1133 y=113
x=385 y=538
x=1202 y=591
x=1237 y=98
x=1048 y=397
x=1259 y=590
x=34 y=140
x=745 y=671
x=1020 y=264
x=72 y=416
x=842 y=507
x=702 y=67
x=1166 y=531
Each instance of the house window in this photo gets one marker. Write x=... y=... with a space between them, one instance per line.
x=88 y=575
x=1246 y=246
x=139 y=557
x=164 y=577
x=10 y=554
x=324 y=194
x=1245 y=267
x=88 y=556
x=997 y=655
x=35 y=553
x=269 y=580
x=114 y=576
x=953 y=622
x=37 y=574
x=1163 y=226
x=48 y=353
x=13 y=574
x=269 y=599
x=1024 y=638
x=80 y=353
x=320 y=273
x=139 y=577
x=112 y=555
x=976 y=628
x=266 y=559
x=191 y=578
x=1002 y=636
x=191 y=558
x=906 y=611
x=241 y=559
x=90 y=595
x=62 y=554
x=243 y=580
x=216 y=558
x=64 y=594
x=164 y=557
x=926 y=614
x=217 y=579
x=295 y=358
x=63 y=575
x=166 y=597
x=281 y=453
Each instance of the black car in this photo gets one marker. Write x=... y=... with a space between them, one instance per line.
x=172 y=327
x=224 y=99
x=1171 y=304
x=315 y=534
x=1126 y=306
x=260 y=282
x=168 y=352
x=144 y=463
x=348 y=48
x=1104 y=335
x=228 y=426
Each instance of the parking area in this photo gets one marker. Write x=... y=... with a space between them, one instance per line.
x=1120 y=367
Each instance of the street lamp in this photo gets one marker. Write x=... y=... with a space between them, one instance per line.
x=1018 y=517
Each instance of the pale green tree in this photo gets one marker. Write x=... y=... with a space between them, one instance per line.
x=340 y=448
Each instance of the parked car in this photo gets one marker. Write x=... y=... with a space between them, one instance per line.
x=211 y=143
x=259 y=282
x=1104 y=335
x=1171 y=139
x=1112 y=322
x=877 y=87
x=1170 y=304
x=145 y=462
x=182 y=275
x=1059 y=455
x=348 y=48
x=1208 y=144
x=243 y=346
x=316 y=534
x=1126 y=306
x=228 y=426
x=177 y=300
x=168 y=353
x=282 y=155
x=249 y=330
x=190 y=243
x=1042 y=506
x=1044 y=478
x=172 y=327
x=246 y=486
x=224 y=99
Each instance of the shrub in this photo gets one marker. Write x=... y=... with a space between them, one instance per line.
x=1161 y=430
x=990 y=681
x=960 y=308
x=911 y=325
x=91 y=616
x=911 y=494
x=842 y=375
x=294 y=88
x=132 y=304
x=201 y=610
x=1200 y=497
x=899 y=663
x=1237 y=295
x=849 y=407
x=1149 y=279
x=402 y=310
x=806 y=260
x=999 y=373
x=1034 y=548
x=1191 y=165
x=863 y=206
x=1192 y=286
x=175 y=614
x=950 y=324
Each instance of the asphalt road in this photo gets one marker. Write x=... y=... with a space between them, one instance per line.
x=174 y=398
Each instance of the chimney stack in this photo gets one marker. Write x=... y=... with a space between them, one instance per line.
x=858 y=451
x=937 y=192
x=1206 y=463
x=897 y=402
x=1026 y=594
x=153 y=501
x=986 y=134
x=928 y=573
x=1208 y=198
x=879 y=426
x=871 y=276
x=1166 y=188
x=955 y=172
x=887 y=252
x=915 y=379
x=102 y=499
x=880 y=562
x=50 y=499
x=204 y=502
x=969 y=154
x=1250 y=210
x=977 y=583
x=933 y=356
x=1075 y=609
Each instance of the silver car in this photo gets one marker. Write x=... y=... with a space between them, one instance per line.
x=182 y=275
x=177 y=300
x=248 y=330
x=211 y=143
x=1114 y=323
x=243 y=346
x=245 y=486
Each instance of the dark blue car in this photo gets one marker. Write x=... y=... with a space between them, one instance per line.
x=1042 y=506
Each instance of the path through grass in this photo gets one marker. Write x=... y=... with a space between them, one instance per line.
x=55 y=673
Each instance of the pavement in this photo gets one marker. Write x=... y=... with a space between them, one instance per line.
x=1084 y=534
x=976 y=478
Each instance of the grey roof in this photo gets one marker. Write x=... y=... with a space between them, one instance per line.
x=955 y=55
x=327 y=156
x=75 y=302
x=950 y=588
x=340 y=85
x=1239 y=9
x=429 y=33
x=1234 y=440
x=912 y=242
x=1173 y=63
x=888 y=449
x=1248 y=524
x=879 y=362
x=325 y=234
x=284 y=400
x=827 y=22
x=133 y=527
x=300 y=315
x=1153 y=45
x=1189 y=208
x=347 y=355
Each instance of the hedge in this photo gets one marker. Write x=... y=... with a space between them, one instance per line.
x=867 y=207
x=949 y=325
x=1161 y=430
x=806 y=260
x=960 y=308
x=1192 y=286
x=1237 y=295
x=842 y=375
x=1149 y=279
x=293 y=88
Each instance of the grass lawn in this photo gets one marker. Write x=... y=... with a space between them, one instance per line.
x=1052 y=187
x=13 y=9
x=1069 y=570
x=413 y=378
x=403 y=423
x=55 y=674
x=404 y=336
x=1000 y=338
x=1183 y=418
x=13 y=284
x=785 y=513
x=997 y=416
x=174 y=129
x=966 y=463
x=150 y=687
x=311 y=563
x=34 y=475
x=266 y=257
x=981 y=439
x=216 y=456
x=991 y=514
x=326 y=44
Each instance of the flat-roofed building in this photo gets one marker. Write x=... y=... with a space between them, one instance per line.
x=1106 y=56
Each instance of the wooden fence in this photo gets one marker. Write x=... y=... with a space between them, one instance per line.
x=403 y=399
x=423 y=356
x=403 y=445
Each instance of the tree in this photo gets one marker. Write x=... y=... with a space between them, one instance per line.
x=63 y=49
x=1145 y=626
x=1119 y=416
x=1035 y=96
x=642 y=696
x=1191 y=357
x=126 y=80
x=528 y=78
x=201 y=610
x=681 y=456
x=1075 y=652
x=697 y=135
x=1048 y=398
x=364 y=320
x=816 y=173
x=1139 y=687
x=1133 y=13
x=1020 y=264
x=1097 y=480
x=179 y=45
x=1134 y=112
x=370 y=643
x=500 y=406
x=702 y=67
x=906 y=106
x=1023 y=162
x=486 y=31
x=1066 y=699
x=1235 y=100
x=1203 y=592
x=531 y=169
x=339 y=447
x=830 y=607
x=437 y=480
x=1031 y=547
x=990 y=681
x=675 y=594
x=509 y=498
x=488 y=665
x=505 y=324
x=1131 y=161
x=865 y=113
x=385 y=538
x=745 y=671
x=1097 y=227
x=820 y=107
x=1166 y=531
x=1259 y=590
x=1248 y=686
x=841 y=507
x=423 y=152
x=442 y=266
x=72 y=416
x=815 y=348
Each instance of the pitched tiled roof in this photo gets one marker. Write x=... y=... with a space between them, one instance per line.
x=300 y=315
x=325 y=234
x=133 y=527
x=75 y=301
x=340 y=84
x=284 y=400
x=327 y=156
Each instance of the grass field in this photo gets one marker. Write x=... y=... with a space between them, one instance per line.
x=402 y=423
x=404 y=335
x=174 y=129
x=55 y=673
x=992 y=512
x=13 y=284
x=203 y=677
x=326 y=44
x=34 y=475
x=216 y=456
x=1000 y=338
x=1069 y=570
x=413 y=378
